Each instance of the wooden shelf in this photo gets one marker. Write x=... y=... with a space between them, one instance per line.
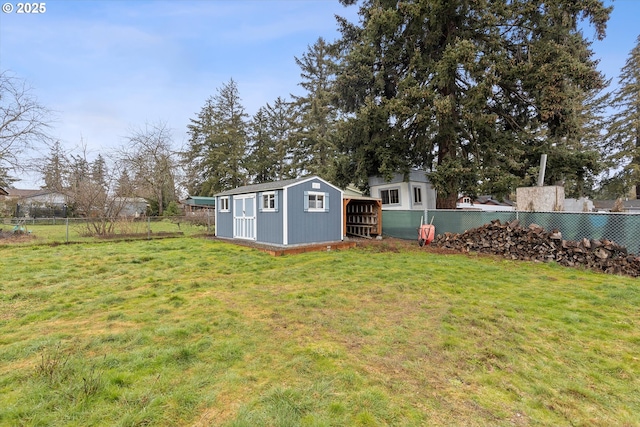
x=362 y=218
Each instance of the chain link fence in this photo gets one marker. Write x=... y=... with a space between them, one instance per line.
x=46 y=230
x=622 y=228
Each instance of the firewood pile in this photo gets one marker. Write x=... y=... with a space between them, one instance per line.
x=533 y=243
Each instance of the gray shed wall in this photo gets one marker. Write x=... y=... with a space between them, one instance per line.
x=224 y=224
x=313 y=227
x=270 y=224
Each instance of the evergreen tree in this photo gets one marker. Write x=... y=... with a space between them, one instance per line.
x=316 y=149
x=262 y=154
x=217 y=144
x=55 y=168
x=99 y=171
x=579 y=167
x=280 y=118
x=195 y=158
x=475 y=91
x=273 y=142
x=79 y=172
x=624 y=130
x=124 y=185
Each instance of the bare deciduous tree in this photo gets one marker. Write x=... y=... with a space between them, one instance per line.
x=149 y=157
x=23 y=123
x=89 y=186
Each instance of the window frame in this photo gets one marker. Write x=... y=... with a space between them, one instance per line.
x=388 y=196
x=224 y=204
x=268 y=197
x=315 y=194
x=417 y=191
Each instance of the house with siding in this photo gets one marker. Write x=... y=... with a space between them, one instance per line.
x=284 y=213
x=414 y=193
x=35 y=203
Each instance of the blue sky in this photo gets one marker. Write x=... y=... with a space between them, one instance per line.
x=107 y=66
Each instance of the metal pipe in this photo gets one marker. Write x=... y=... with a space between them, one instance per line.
x=543 y=167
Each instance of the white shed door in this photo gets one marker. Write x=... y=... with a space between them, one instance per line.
x=244 y=216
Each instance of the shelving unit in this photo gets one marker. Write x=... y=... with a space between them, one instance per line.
x=363 y=217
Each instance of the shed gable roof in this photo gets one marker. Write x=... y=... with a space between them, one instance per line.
x=200 y=201
x=271 y=186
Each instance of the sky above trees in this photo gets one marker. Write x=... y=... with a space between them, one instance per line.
x=105 y=67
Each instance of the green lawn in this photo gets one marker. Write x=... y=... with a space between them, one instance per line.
x=188 y=331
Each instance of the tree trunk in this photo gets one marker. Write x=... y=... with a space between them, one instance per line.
x=447 y=199
x=446 y=202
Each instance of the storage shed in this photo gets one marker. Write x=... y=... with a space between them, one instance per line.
x=198 y=203
x=290 y=212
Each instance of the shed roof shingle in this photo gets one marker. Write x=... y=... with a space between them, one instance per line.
x=265 y=186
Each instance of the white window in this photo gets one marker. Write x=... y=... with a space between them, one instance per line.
x=390 y=197
x=269 y=202
x=417 y=195
x=466 y=200
x=224 y=204
x=315 y=201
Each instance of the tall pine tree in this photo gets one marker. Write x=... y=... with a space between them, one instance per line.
x=624 y=130
x=262 y=154
x=217 y=144
x=316 y=148
x=55 y=168
x=473 y=90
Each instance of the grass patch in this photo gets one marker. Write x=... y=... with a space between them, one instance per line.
x=76 y=231
x=195 y=332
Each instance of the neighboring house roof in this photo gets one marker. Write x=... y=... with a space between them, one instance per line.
x=351 y=190
x=270 y=186
x=352 y=193
x=415 y=175
x=357 y=197
x=37 y=196
x=200 y=201
x=630 y=205
x=487 y=200
x=21 y=194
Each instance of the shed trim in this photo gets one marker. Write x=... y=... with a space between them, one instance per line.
x=285 y=216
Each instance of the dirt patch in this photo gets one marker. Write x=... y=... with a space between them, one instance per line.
x=393 y=244
x=288 y=250
x=15 y=237
x=386 y=244
x=138 y=236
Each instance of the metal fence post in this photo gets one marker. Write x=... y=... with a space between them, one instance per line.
x=149 y=228
x=67 y=234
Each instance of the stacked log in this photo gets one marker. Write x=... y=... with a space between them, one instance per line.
x=533 y=243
